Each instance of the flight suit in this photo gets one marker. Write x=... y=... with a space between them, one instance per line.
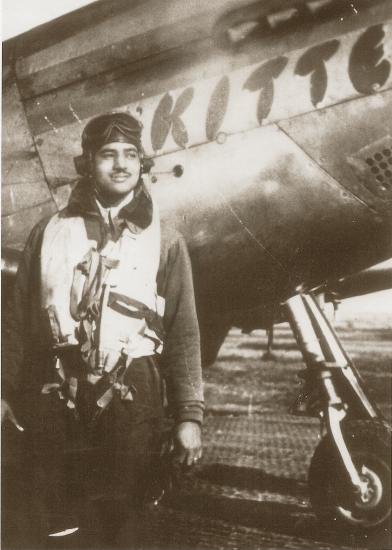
x=77 y=455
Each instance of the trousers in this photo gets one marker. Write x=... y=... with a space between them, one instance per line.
x=79 y=460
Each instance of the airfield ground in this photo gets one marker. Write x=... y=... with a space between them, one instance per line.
x=250 y=490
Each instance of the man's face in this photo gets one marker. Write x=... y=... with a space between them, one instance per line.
x=116 y=168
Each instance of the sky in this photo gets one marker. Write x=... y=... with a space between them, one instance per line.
x=18 y=16
x=376 y=306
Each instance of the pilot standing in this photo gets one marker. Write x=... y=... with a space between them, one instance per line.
x=103 y=312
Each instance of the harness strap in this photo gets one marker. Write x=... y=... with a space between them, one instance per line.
x=106 y=386
x=65 y=387
x=119 y=302
x=94 y=268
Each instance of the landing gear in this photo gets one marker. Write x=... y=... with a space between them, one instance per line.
x=332 y=496
x=350 y=473
x=269 y=355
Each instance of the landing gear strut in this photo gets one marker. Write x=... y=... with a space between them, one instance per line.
x=350 y=473
x=269 y=355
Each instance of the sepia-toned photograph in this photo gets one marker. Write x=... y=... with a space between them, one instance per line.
x=196 y=263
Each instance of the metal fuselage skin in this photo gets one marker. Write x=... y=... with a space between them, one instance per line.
x=273 y=153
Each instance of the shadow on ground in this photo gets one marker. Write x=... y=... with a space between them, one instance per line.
x=296 y=521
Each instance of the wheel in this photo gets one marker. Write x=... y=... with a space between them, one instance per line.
x=331 y=493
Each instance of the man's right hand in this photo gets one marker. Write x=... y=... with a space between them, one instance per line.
x=7 y=414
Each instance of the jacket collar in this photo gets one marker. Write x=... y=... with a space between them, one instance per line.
x=138 y=211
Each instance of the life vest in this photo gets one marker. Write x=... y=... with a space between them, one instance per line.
x=104 y=301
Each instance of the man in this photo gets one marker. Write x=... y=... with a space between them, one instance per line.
x=103 y=312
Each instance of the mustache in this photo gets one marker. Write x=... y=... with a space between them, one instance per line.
x=121 y=173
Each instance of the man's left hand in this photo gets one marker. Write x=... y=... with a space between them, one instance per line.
x=187 y=443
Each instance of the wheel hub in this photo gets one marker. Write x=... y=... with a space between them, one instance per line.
x=364 y=509
x=372 y=495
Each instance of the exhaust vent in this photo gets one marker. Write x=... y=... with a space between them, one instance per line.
x=373 y=165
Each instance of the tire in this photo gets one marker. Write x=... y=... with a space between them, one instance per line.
x=331 y=492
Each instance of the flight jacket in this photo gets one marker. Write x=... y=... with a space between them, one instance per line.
x=180 y=362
